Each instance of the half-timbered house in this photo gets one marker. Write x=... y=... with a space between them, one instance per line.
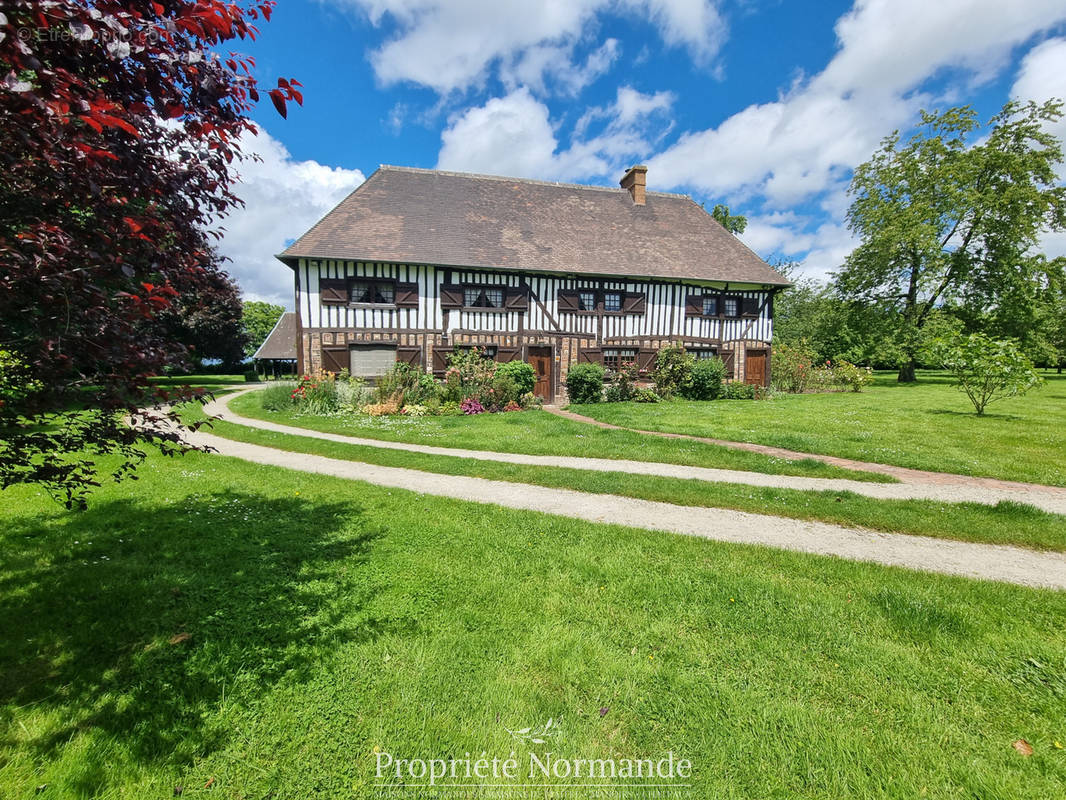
x=416 y=263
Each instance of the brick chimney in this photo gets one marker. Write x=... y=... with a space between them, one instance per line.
x=635 y=179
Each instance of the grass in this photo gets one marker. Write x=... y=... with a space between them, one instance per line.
x=928 y=425
x=262 y=631
x=1004 y=523
x=541 y=433
x=198 y=381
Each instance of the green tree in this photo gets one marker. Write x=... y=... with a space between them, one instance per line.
x=734 y=223
x=259 y=320
x=987 y=370
x=939 y=215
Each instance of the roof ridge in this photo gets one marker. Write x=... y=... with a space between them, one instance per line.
x=510 y=179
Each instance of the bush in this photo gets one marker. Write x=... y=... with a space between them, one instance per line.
x=791 y=367
x=523 y=375
x=251 y=376
x=584 y=383
x=986 y=370
x=673 y=371
x=450 y=408
x=850 y=377
x=471 y=406
x=501 y=391
x=351 y=394
x=706 y=380
x=622 y=383
x=646 y=396
x=277 y=397
x=470 y=374
x=409 y=382
x=739 y=391
x=316 y=394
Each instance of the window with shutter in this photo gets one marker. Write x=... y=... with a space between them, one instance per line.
x=517 y=298
x=634 y=303
x=451 y=296
x=333 y=291
x=568 y=300
x=615 y=357
x=367 y=292
x=407 y=295
x=586 y=301
x=731 y=306
x=612 y=302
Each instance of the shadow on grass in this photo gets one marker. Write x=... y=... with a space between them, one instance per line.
x=986 y=415
x=162 y=612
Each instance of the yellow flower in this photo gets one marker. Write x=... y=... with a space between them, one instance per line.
x=731 y=600
x=1058 y=745
x=377 y=749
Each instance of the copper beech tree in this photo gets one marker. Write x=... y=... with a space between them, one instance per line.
x=120 y=125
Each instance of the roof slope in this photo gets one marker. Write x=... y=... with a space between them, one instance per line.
x=281 y=341
x=422 y=216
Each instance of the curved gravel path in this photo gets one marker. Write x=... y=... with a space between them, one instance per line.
x=989 y=562
x=1046 y=498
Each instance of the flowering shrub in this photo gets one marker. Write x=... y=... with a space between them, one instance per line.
x=316 y=394
x=413 y=410
x=391 y=406
x=646 y=396
x=622 y=385
x=673 y=371
x=471 y=406
x=512 y=406
x=792 y=367
x=852 y=377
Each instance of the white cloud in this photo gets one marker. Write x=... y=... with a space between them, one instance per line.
x=514 y=135
x=283 y=198
x=803 y=145
x=1042 y=76
x=450 y=45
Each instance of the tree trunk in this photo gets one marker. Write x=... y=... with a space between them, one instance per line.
x=906 y=372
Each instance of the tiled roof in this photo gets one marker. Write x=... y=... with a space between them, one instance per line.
x=281 y=342
x=454 y=219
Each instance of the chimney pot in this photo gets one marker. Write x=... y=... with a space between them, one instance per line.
x=635 y=180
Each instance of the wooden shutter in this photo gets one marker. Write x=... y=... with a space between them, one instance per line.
x=409 y=354
x=516 y=298
x=407 y=295
x=646 y=359
x=694 y=305
x=634 y=303
x=567 y=300
x=451 y=295
x=440 y=359
x=505 y=354
x=335 y=358
x=592 y=355
x=729 y=359
x=333 y=290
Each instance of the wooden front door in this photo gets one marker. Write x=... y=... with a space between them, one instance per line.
x=755 y=367
x=541 y=360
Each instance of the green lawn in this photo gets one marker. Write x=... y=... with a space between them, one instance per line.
x=262 y=631
x=928 y=425
x=1005 y=523
x=541 y=433
x=198 y=381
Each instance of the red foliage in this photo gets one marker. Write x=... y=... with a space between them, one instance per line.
x=119 y=127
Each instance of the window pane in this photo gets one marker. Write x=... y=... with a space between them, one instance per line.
x=614 y=358
x=471 y=297
x=494 y=298
x=704 y=354
x=386 y=293
x=612 y=301
x=731 y=306
x=710 y=306
x=360 y=292
x=586 y=301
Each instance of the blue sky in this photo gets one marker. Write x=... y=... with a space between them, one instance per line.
x=764 y=105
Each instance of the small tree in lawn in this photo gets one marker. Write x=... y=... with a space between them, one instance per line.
x=987 y=370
